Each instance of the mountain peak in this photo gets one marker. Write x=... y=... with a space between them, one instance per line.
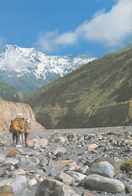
x=14 y=49
x=33 y=68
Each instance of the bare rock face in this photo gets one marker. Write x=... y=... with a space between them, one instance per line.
x=9 y=110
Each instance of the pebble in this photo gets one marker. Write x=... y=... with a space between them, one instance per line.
x=74 y=162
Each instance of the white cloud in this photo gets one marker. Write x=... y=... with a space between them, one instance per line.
x=46 y=40
x=50 y=41
x=109 y=28
x=66 y=38
x=12 y=63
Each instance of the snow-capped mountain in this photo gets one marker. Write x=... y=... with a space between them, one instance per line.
x=28 y=69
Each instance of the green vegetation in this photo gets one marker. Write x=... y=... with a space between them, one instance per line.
x=97 y=94
x=7 y=91
x=126 y=166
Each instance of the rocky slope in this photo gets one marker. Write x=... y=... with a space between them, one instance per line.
x=118 y=114
x=97 y=94
x=9 y=110
x=71 y=162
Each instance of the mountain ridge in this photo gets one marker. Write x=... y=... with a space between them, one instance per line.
x=75 y=100
x=28 y=69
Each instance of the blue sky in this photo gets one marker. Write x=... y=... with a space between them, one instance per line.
x=59 y=27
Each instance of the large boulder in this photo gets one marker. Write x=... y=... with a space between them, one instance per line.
x=50 y=186
x=97 y=182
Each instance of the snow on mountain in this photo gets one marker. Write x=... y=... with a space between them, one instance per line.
x=28 y=69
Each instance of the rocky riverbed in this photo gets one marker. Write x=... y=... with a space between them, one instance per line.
x=69 y=162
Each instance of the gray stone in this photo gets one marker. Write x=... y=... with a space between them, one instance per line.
x=103 y=168
x=76 y=175
x=59 y=150
x=40 y=143
x=12 y=161
x=101 y=183
x=54 y=187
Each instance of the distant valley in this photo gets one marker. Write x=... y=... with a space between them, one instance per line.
x=96 y=94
